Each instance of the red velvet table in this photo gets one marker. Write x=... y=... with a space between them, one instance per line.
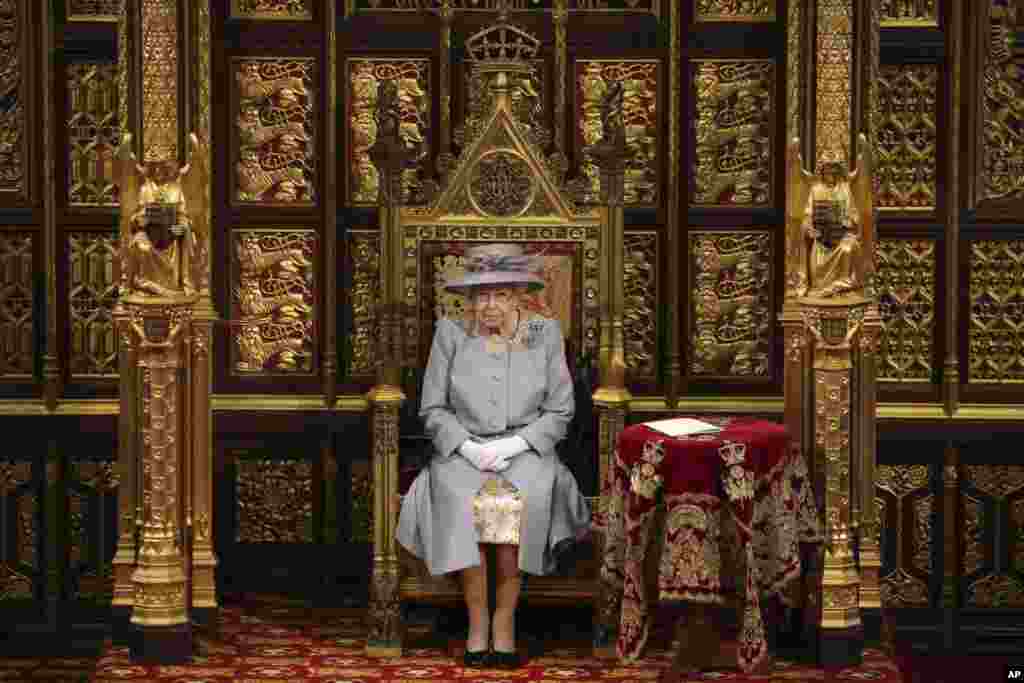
x=747 y=471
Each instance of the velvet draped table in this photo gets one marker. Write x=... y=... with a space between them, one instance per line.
x=738 y=505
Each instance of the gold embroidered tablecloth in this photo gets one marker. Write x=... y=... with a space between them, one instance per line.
x=747 y=471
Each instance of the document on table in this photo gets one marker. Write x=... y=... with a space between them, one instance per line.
x=682 y=426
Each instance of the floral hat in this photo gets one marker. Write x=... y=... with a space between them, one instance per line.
x=496 y=265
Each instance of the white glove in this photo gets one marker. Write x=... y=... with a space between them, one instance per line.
x=480 y=456
x=506 y=449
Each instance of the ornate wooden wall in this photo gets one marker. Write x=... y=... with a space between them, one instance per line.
x=710 y=95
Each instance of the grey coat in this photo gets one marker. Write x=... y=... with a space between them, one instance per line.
x=471 y=393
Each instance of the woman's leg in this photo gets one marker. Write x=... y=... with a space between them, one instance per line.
x=506 y=596
x=474 y=588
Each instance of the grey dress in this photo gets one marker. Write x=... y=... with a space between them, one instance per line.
x=469 y=392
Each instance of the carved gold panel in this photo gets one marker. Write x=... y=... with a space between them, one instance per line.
x=160 y=65
x=993 y=540
x=92 y=293
x=996 y=335
x=93 y=10
x=905 y=160
x=833 y=73
x=365 y=76
x=274 y=499
x=909 y=13
x=905 y=503
x=13 y=141
x=273 y=301
x=16 y=282
x=640 y=317
x=1001 y=121
x=640 y=80
x=18 y=563
x=276 y=131
x=530 y=101
x=733 y=159
x=288 y=10
x=94 y=133
x=731 y=314
x=735 y=10
x=905 y=282
x=92 y=490
x=364 y=296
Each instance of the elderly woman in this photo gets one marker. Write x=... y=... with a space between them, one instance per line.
x=497 y=397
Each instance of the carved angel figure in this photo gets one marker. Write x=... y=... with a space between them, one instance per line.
x=162 y=251
x=829 y=225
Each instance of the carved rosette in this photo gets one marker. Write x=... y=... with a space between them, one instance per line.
x=501 y=185
x=274 y=499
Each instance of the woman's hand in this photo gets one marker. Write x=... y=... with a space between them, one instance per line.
x=479 y=455
x=506 y=449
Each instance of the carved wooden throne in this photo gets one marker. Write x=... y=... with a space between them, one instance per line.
x=502 y=188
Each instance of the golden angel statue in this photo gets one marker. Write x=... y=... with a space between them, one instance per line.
x=829 y=225
x=162 y=251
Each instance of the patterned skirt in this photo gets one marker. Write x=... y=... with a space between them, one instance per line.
x=497 y=512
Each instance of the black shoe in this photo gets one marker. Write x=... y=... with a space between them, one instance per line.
x=476 y=660
x=505 y=660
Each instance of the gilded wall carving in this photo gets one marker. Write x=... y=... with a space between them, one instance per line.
x=732 y=304
x=528 y=92
x=272 y=9
x=93 y=10
x=16 y=268
x=501 y=184
x=834 y=78
x=13 y=158
x=94 y=134
x=734 y=112
x=640 y=317
x=17 y=515
x=159 y=116
x=365 y=77
x=909 y=13
x=1002 y=166
x=92 y=293
x=734 y=10
x=273 y=301
x=276 y=131
x=274 y=501
x=906 y=491
x=996 y=336
x=364 y=296
x=905 y=282
x=640 y=82
x=905 y=159
x=91 y=493
x=992 y=534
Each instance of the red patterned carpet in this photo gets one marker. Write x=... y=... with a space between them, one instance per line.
x=282 y=642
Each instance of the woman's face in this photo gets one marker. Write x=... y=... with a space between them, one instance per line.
x=494 y=305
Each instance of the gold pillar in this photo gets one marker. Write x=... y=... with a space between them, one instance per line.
x=160 y=603
x=165 y=319
x=673 y=366
x=612 y=397
x=560 y=15
x=390 y=156
x=870 y=554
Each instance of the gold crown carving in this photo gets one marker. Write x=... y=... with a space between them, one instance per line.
x=502 y=47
